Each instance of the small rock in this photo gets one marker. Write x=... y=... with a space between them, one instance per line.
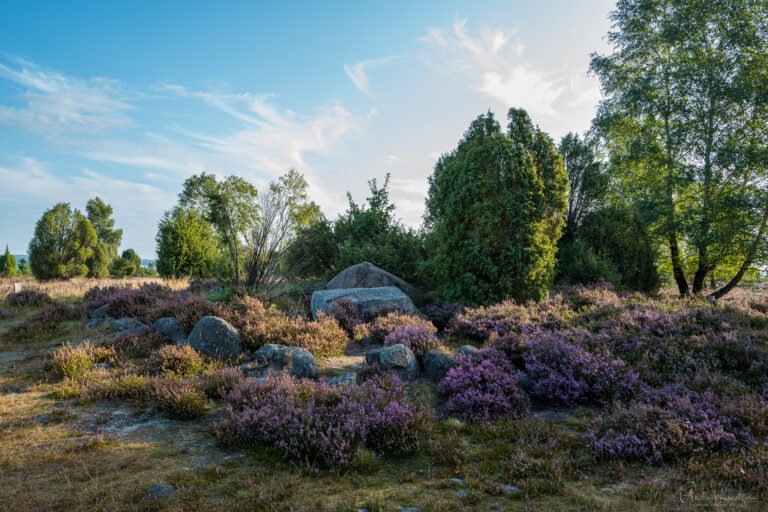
x=161 y=492
x=437 y=364
x=214 y=337
x=409 y=509
x=460 y=494
x=43 y=419
x=270 y=357
x=510 y=489
x=169 y=328
x=97 y=322
x=395 y=357
x=343 y=379
x=127 y=326
x=457 y=481
x=100 y=312
x=467 y=350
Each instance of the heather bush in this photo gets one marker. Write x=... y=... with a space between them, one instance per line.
x=28 y=298
x=4 y=314
x=664 y=424
x=260 y=324
x=42 y=323
x=140 y=345
x=418 y=338
x=564 y=373
x=346 y=313
x=180 y=361
x=441 y=313
x=180 y=400
x=483 y=386
x=76 y=362
x=216 y=383
x=318 y=424
x=200 y=286
x=382 y=326
x=126 y=386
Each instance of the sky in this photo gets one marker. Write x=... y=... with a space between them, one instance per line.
x=125 y=100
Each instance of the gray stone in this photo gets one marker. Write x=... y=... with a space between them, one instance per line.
x=126 y=326
x=460 y=494
x=510 y=489
x=169 y=328
x=368 y=275
x=343 y=379
x=369 y=301
x=214 y=337
x=467 y=350
x=299 y=361
x=161 y=492
x=457 y=481
x=437 y=364
x=97 y=322
x=409 y=509
x=100 y=312
x=395 y=357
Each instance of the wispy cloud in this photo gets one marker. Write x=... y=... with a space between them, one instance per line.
x=54 y=104
x=358 y=72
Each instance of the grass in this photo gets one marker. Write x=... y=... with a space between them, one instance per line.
x=60 y=451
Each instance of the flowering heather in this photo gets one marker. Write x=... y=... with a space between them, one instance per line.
x=319 y=424
x=199 y=286
x=664 y=424
x=42 y=323
x=383 y=326
x=418 y=338
x=484 y=386
x=28 y=298
x=563 y=373
x=181 y=361
x=346 y=313
x=441 y=313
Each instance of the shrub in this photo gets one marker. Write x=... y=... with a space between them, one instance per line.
x=418 y=338
x=200 y=286
x=27 y=298
x=42 y=323
x=577 y=263
x=181 y=361
x=441 y=313
x=345 y=312
x=4 y=314
x=483 y=387
x=666 y=424
x=219 y=382
x=259 y=324
x=62 y=243
x=140 y=345
x=180 y=400
x=130 y=386
x=383 y=326
x=76 y=362
x=564 y=373
x=323 y=425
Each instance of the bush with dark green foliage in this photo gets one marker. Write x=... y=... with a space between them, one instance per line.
x=187 y=245
x=495 y=213
x=128 y=264
x=365 y=232
x=7 y=264
x=577 y=263
x=98 y=263
x=62 y=243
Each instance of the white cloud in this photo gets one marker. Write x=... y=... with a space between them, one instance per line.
x=55 y=104
x=358 y=72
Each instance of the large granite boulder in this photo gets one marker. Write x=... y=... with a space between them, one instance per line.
x=368 y=275
x=369 y=301
x=395 y=357
x=437 y=364
x=169 y=328
x=299 y=362
x=214 y=337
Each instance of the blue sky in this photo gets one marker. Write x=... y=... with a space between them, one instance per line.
x=124 y=100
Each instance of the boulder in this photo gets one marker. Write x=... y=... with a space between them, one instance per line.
x=368 y=275
x=299 y=361
x=369 y=301
x=161 y=492
x=214 y=337
x=395 y=357
x=467 y=350
x=343 y=379
x=437 y=364
x=169 y=328
x=126 y=326
x=100 y=312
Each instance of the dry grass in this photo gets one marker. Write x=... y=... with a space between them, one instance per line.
x=77 y=287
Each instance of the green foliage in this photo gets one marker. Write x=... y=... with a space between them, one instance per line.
x=128 y=264
x=24 y=268
x=365 y=232
x=229 y=205
x=98 y=262
x=100 y=215
x=7 y=264
x=495 y=207
x=685 y=121
x=577 y=263
x=62 y=243
x=186 y=245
